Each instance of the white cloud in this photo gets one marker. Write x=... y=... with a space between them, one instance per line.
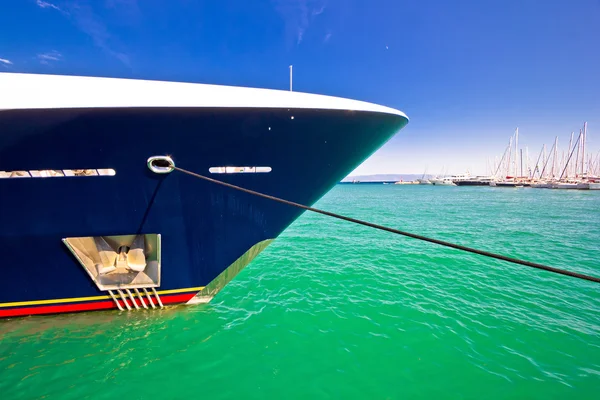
x=81 y=13
x=44 y=4
x=5 y=61
x=47 y=58
x=299 y=14
x=92 y=24
x=318 y=11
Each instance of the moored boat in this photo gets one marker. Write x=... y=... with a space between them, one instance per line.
x=508 y=184
x=565 y=185
x=93 y=215
x=446 y=181
x=583 y=186
x=472 y=181
x=589 y=185
x=541 y=185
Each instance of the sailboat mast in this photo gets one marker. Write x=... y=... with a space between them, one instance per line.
x=537 y=163
x=547 y=160
x=555 y=157
x=583 y=171
x=527 y=165
x=500 y=164
x=544 y=147
x=568 y=156
x=577 y=155
x=509 y=154
x=521 y=174
x=516 y=149
x=568 y=149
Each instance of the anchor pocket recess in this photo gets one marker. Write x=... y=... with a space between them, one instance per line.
x=125 y=262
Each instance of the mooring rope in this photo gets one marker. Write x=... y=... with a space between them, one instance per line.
x=396 y=231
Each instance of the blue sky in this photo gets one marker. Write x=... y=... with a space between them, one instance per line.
x=466 y=72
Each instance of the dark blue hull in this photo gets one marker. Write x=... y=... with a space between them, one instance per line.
x=471 y=183
x=204 y=227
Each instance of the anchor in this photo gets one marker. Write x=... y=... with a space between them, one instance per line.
x=120 y=264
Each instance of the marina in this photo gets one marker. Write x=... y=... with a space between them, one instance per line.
x=574 y=170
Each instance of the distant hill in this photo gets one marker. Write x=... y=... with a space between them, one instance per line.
x=384 y=177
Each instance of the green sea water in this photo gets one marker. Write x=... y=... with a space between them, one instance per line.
x=332 y=310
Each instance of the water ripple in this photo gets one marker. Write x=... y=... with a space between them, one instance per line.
x=332 y=310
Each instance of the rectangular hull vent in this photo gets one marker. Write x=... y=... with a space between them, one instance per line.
x=56 y=173
x=239 y=170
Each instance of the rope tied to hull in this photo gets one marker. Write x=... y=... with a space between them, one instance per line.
x=392 y=230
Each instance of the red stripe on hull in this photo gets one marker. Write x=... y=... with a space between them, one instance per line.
x=89 y=306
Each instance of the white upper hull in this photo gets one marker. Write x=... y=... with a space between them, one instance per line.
x=31 y=91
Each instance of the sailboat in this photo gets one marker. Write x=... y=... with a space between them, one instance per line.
x=511 y=180
x=423 y=180
x=565 y=181
x=541 y=183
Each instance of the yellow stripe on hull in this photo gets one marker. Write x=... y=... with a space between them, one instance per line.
x=78 y=299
